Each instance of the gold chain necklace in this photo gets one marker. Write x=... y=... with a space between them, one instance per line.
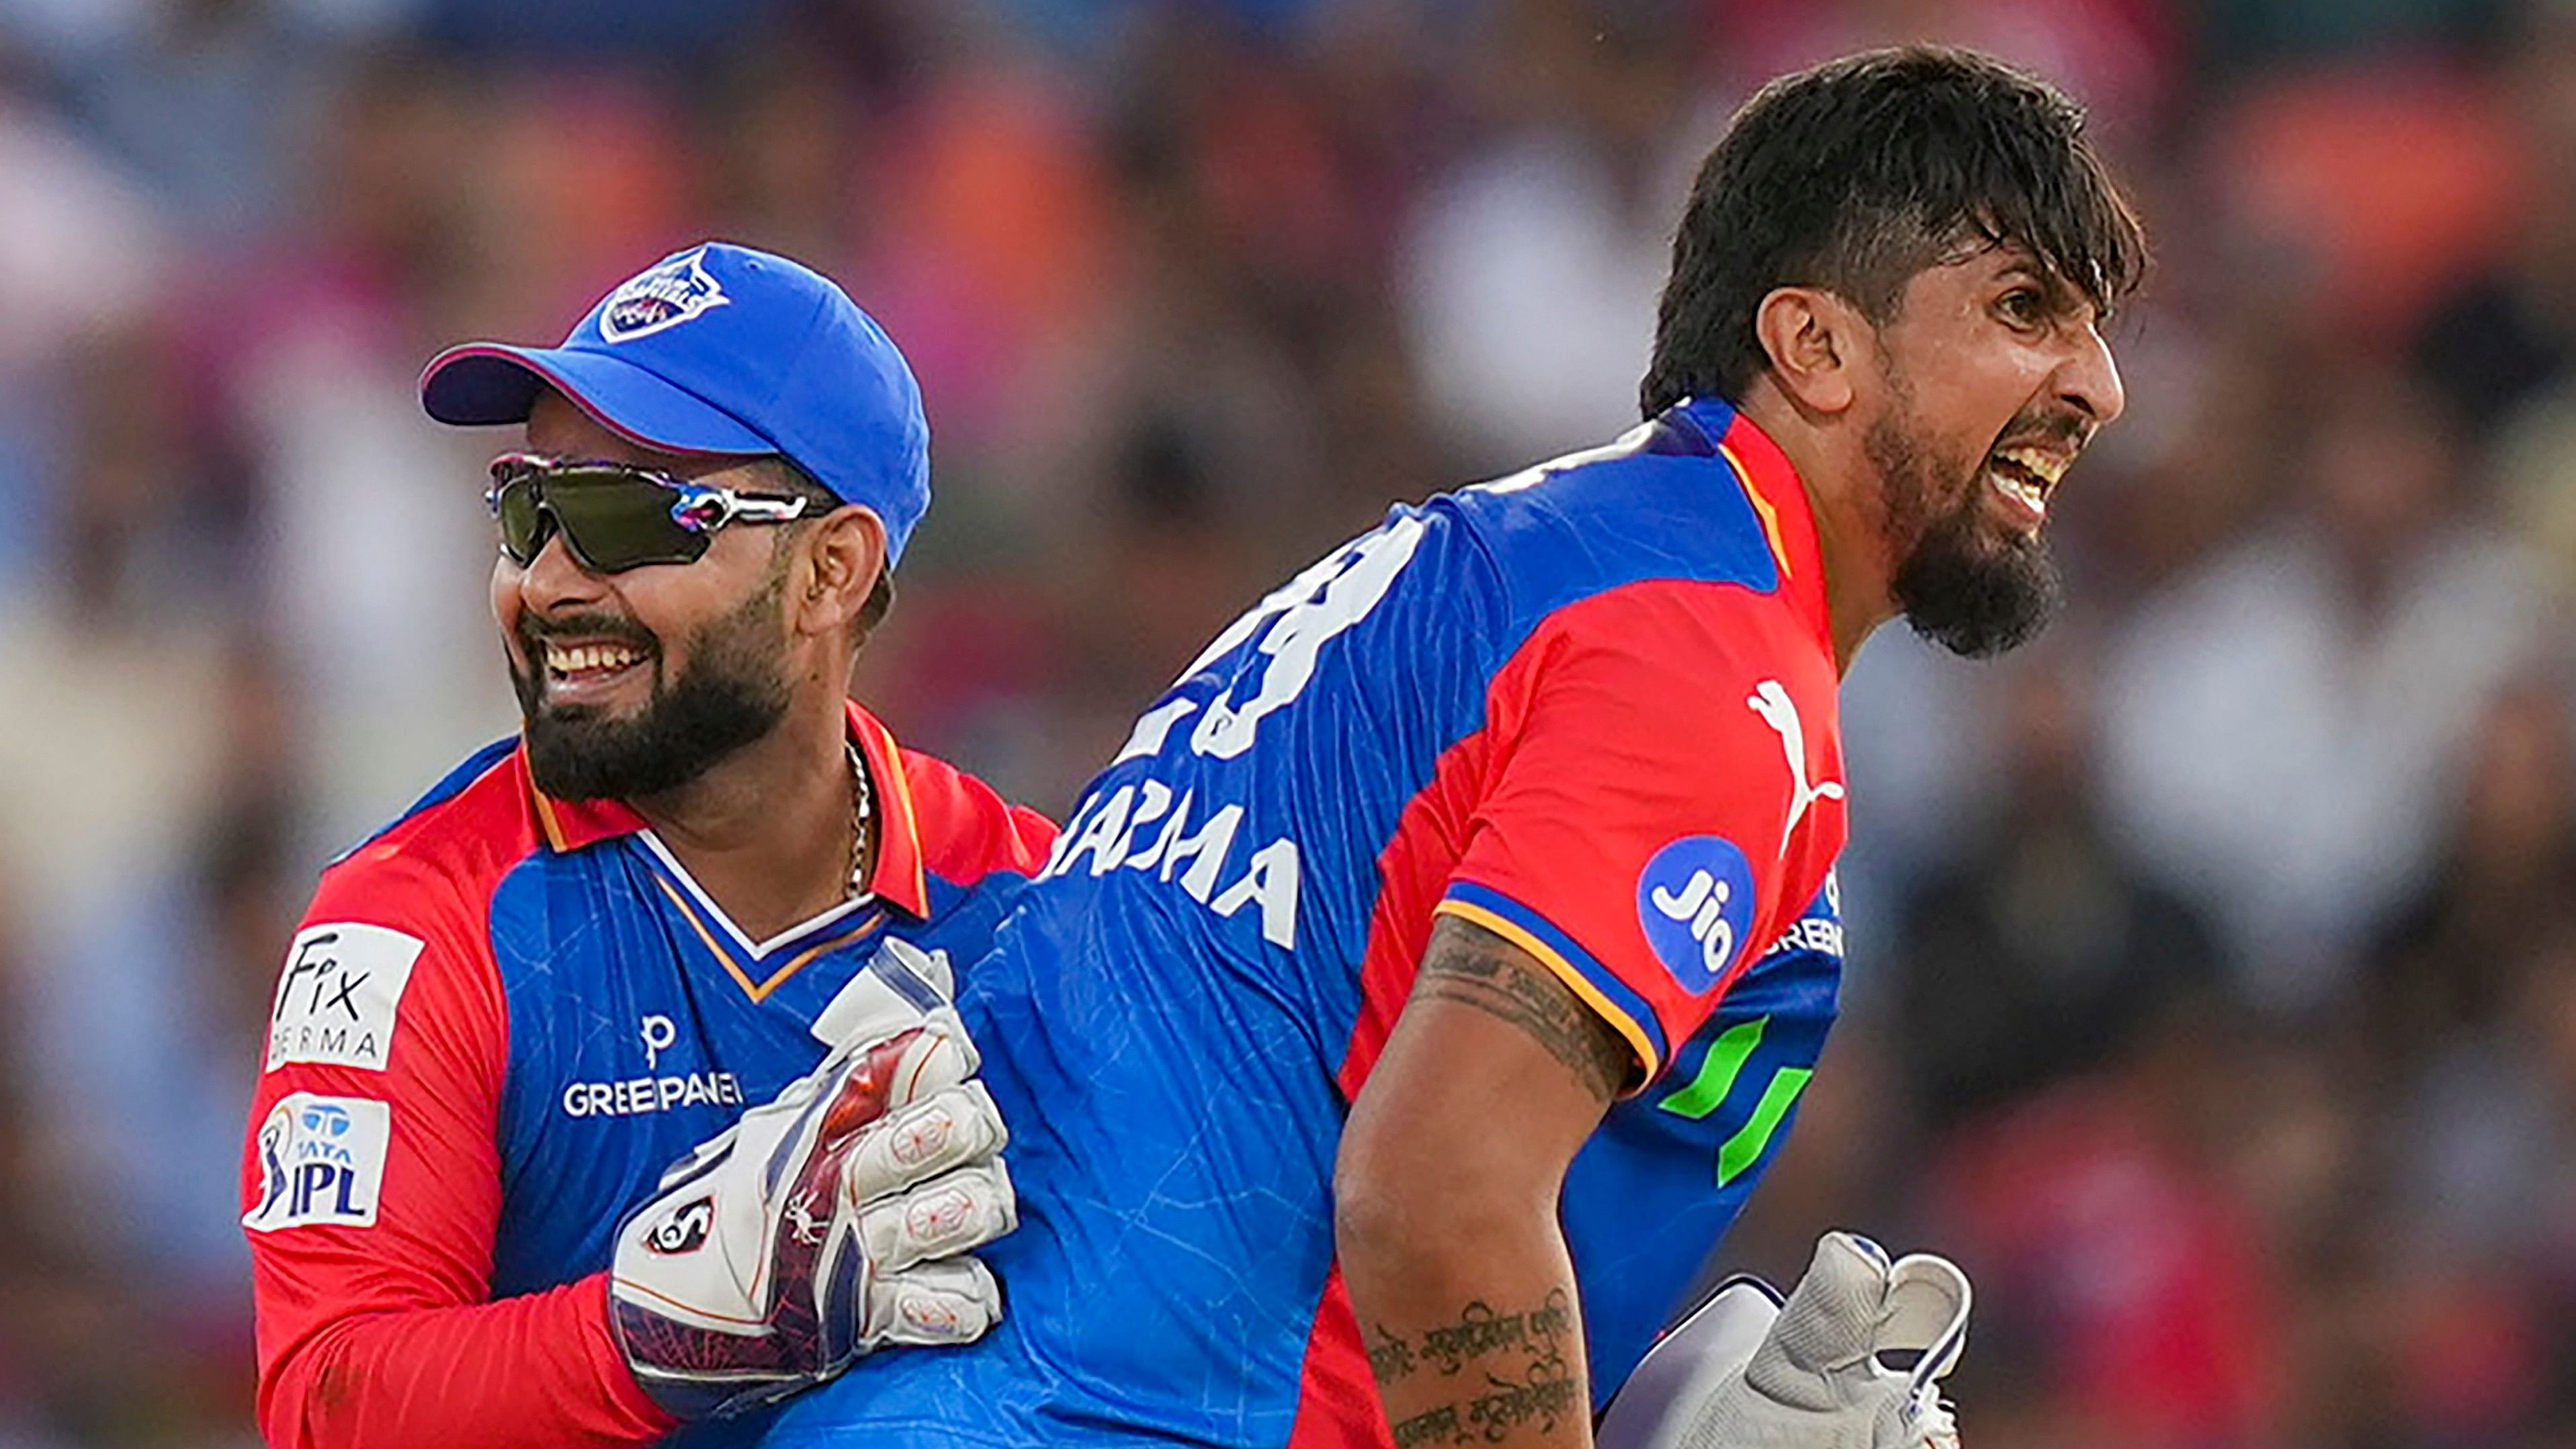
x=862 y=808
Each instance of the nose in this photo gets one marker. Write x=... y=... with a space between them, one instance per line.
x=2090 y=380
x=554 y=580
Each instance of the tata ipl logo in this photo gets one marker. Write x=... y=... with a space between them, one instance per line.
x=321 y=1160
x=664 y=297
x=1695 y=901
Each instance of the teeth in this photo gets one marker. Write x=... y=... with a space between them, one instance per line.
x=2046 y=466
x=2019 y=488
x=577 y=658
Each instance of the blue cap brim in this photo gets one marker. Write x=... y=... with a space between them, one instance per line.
x=482 y=383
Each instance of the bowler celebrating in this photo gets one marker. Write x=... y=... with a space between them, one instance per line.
x=1416 y=997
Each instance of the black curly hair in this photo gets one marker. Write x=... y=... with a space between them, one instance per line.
x=1857 y=174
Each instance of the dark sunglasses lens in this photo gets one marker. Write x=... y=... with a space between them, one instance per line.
x=523 y=523
x=617 y=520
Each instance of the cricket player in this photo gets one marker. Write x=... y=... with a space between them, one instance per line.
x=581 y=957
x=1413 y=1001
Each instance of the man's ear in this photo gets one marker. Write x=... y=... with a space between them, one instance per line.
x=843 y=553
x=1813 y=340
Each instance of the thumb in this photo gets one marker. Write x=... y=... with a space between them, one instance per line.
x=1830 y=1322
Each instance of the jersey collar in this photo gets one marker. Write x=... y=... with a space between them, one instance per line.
x=1779 y=499
x=898 y=876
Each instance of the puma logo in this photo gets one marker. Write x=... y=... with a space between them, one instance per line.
x=1770 y=699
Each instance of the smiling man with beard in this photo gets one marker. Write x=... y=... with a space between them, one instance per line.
x=702 y=879
x=728 y=692
x=1415 y=999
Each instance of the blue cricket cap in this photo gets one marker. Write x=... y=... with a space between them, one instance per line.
x=723 y=349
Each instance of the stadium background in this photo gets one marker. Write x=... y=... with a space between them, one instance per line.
x=2213 y=990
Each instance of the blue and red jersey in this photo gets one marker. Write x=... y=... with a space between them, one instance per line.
x=502 y=1018
x=1591 y=708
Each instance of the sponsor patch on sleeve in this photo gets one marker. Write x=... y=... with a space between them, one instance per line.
x=1695 y=902
x=337 y=999
x=321 y=1161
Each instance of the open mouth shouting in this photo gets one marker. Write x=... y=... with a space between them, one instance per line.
x=2023 y=476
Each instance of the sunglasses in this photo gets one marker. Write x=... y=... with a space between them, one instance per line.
x=614 y=516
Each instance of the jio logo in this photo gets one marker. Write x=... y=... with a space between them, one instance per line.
x=1695 y=901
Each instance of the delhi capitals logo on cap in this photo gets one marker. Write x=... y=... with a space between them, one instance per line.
x=662 y=298
x=1695 y=901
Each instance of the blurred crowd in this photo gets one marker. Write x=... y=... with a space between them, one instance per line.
x=2213 y=981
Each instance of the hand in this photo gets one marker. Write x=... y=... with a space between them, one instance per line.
x=1749 y=1372
x=828 y=1221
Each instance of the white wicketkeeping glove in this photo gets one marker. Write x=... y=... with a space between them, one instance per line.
x=828 y=1221
x=1749 y=1372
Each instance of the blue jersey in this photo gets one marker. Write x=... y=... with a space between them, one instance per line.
x=1590 y=708
x=501 y=1020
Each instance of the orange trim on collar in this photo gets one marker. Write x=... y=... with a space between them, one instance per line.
x=1769 y=515
x=901 y=876
x=759 y=991
x=571 y=824
x=1771 y=483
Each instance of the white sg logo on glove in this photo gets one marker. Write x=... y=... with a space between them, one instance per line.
x=830 y=1220
x=685 y=1230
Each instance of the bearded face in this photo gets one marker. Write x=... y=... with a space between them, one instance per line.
x=1966 y=576
x=1990 y=377
x=729 y=690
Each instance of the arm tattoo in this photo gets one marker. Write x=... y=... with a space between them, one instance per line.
x=1390 y=1357
x=1517 y=1371
x=1472 y=965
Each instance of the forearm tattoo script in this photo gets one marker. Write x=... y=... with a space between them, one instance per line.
x=1511 y=1369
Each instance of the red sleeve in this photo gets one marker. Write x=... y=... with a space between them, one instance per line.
x=371 y=1190
x=969 y=830
x=1633 y=830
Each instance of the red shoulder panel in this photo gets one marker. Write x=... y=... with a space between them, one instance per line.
x=967 y=830
x=1662 y=794
x=371 y=1175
